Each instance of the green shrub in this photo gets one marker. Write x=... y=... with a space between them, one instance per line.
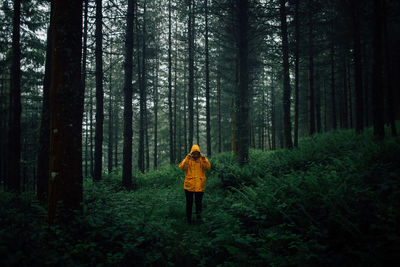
x=334 y=200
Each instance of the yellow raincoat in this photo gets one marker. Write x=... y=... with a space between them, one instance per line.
x=195 y=177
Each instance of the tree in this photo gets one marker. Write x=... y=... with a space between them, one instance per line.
x=171 y=130
x=127 y=146
x=208 y=123
x=377 y=91
x=84 y=59
x=355 y=8
x=311 y=69
x=66 y=112
x=14 y=133
x=110 y=117
x=296 y=75
x=191 y=72
x=42 y=175
x=155 y=96
x=333 y=93
x=98 y=150
x=243 y=99
x=142 y=97
x=286 y=81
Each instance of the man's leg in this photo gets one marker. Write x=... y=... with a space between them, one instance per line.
x=198 y=201
x=189 y=205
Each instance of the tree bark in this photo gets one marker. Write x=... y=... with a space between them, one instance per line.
x=345 y=102
x=389 y=66
x=311 y=70
x=350 y=94
x=286 y=81
x=110 y=120
x=66 y=112
x=84 y=57
x=219 y=110
x=357 y=65
x=98 y=149
x=318 y=104
x=208 y=118
x=185 y=98
x=273 y=115
x=191 y=74
x=116 y=133
x=142 y=95
x=377 y=78
x=175 y=130
x=333 y=93
x=171 y=130
x=127 y=146
x=13 y=179
x=42 y=176
x=155 y=159
x=296 y=76
x=243 y=100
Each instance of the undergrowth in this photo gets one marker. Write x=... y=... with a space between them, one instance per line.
x=335 y=200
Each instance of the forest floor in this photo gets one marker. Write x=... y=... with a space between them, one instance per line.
x=335 y=200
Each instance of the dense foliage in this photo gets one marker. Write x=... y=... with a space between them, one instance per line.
x=333 y=201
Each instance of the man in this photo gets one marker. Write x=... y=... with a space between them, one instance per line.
x=195 y=165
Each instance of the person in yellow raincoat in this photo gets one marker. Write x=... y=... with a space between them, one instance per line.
x=195 y=165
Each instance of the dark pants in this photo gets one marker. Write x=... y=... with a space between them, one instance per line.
x=189 y=204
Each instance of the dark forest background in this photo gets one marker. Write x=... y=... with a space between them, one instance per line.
x=106 y=97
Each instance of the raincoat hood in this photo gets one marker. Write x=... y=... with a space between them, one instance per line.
x=195 y=148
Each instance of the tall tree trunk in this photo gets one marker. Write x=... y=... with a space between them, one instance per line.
x=98 y=150
x=197 y=89
x=208 y=118
x=377 y=79
x=86 y=145
x=273 y=115
x=110 y=121
x=44 y=138
x=3 y=134
x=243 y=105
x=357 y=65
x=14 y=132
x=262 y=131
x=66 y=112
x=177 y=104
x=191 y=73
x=144 y=80
x=142 y=111
x=127 y=146
x=365 y=86
x=389 y=66
x=84 y=58
x=155 y=159
x=333 y=93
x=176 y=148
x=286 y=81
x=325 y=106
x=170 y=115
x=350 y=95
x=296 y=76
x=116 y=133
x=311 y=69
x=345 y=102
x=146 y=134
x=318 y=105
x=91 y=132
x=185 y=133
x=219 y=110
